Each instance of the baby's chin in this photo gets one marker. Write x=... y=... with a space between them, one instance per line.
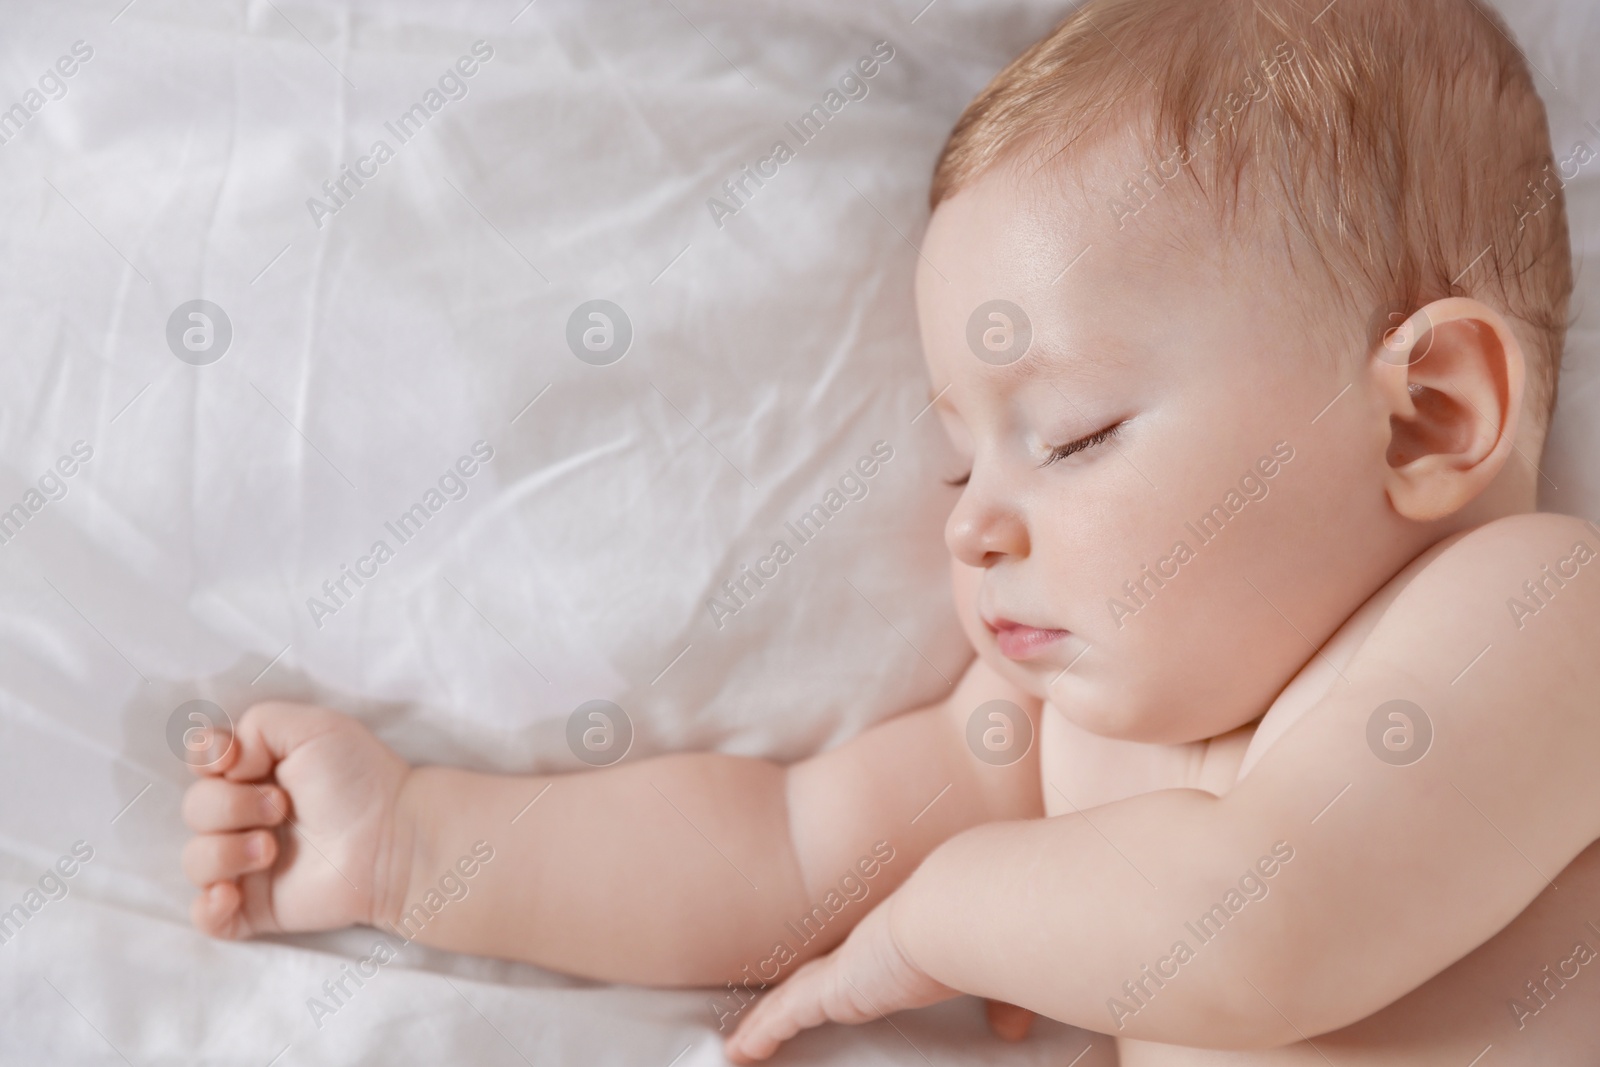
x=1104 y=702
x=1031 y=678
x=1106 y=709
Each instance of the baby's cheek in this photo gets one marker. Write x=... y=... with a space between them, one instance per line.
x=965 y=582
x=964 y=586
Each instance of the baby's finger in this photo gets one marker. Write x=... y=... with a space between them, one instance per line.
x=210 y=751
x=792 y=1007
x=214 y=804
x=216 y=911
x=1009 y=1022
x=210 y=858
x=268 y=732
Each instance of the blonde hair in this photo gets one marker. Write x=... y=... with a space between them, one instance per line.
x=1402 y=139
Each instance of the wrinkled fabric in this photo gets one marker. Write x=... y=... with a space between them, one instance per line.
x=383 y=330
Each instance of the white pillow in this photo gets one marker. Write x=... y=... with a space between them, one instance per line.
x=772 y=348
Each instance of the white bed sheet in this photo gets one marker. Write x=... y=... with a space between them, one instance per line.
x=368 y=354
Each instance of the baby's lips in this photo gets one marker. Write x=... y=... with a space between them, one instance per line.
x=996 y=623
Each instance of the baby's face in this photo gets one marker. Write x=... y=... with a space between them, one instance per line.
x=1158 y=528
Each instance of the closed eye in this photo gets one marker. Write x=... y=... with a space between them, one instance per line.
x=1074 y=447
x=1056 y=454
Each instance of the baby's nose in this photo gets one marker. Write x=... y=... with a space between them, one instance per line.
x=981 y=532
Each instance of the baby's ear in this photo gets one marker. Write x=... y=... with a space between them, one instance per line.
x=1452 y=377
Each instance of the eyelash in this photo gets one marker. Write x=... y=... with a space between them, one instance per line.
x=1082 y=443
x=1070 y=449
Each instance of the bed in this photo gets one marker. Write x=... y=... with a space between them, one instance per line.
x=279 y=273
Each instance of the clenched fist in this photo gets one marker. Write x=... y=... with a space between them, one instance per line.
x=296 y=826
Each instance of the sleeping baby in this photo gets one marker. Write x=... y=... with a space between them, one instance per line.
x=1279 y=742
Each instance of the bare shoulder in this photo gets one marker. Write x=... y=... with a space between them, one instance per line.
x=1541 y=556
x=1524 y=589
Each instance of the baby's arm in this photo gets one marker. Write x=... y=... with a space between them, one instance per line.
x=679 y=870
x=1397 y=870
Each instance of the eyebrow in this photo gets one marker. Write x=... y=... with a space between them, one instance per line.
x=1040 y=362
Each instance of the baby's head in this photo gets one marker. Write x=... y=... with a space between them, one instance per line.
x=1234 y=308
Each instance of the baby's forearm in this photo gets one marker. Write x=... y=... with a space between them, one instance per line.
x=672 y=871
x=693 y=869
x=1077 y=917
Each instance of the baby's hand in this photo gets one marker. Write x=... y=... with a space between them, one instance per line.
x=295 y=825
x=868 y=977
